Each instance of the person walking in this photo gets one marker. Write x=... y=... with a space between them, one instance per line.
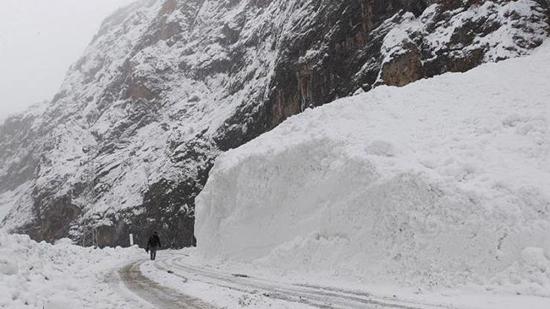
x=153 y=245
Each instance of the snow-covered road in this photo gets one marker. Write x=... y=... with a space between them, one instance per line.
x=156 y=294
x=140 y=276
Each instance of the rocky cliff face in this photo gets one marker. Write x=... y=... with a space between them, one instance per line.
x=166 y=86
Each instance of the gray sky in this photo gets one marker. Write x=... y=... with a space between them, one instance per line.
x=39 y=40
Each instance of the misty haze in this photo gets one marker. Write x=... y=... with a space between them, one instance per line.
x=274 y=154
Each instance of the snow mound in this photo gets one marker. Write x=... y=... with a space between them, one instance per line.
x=44 y=276
x=441 y=183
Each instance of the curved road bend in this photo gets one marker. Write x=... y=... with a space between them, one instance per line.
x=316 y=296
x=157 y=295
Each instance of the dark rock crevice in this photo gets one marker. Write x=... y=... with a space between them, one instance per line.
x=199 y=77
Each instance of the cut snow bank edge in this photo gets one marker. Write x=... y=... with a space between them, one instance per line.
x=440 y=183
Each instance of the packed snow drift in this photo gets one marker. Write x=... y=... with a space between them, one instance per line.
x=61 y=276
x=440 y=183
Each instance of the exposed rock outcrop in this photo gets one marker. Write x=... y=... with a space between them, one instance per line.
x=166 y=86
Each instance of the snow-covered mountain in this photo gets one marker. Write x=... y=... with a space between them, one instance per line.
x=166 y=86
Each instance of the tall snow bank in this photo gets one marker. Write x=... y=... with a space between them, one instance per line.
x=440 y=183
x=44 y=276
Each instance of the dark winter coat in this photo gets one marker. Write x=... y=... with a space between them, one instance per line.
x=154 y=242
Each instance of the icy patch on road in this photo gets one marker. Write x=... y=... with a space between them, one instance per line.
x=442 y=183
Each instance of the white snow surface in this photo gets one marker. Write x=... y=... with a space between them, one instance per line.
x=439 y=184
x=61 y=276
x=219 y=296
x=65 y=276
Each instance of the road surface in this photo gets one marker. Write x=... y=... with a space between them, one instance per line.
x=163 y=297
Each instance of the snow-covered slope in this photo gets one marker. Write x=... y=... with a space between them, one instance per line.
x=440 y=183
x=167 y=85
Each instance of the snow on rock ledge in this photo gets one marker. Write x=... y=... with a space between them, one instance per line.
x=440 y=183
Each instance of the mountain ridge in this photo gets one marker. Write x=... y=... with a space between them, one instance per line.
x=166 y=86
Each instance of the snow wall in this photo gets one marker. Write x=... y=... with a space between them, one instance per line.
x=440 y=183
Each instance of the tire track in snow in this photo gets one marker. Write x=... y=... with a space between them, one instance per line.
x=320 y=297
x=159 y=296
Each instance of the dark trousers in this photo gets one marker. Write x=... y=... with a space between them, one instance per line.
x=153 y=252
